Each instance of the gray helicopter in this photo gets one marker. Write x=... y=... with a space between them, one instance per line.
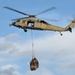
x=32 y=22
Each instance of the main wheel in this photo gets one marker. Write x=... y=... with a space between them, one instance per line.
x=25 y=30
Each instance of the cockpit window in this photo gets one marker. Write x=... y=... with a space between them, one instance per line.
x=23 y=21
x=18 y=20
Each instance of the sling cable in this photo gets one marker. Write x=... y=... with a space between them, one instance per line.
x=34 y=64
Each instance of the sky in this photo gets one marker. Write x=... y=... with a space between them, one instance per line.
x=55 y=53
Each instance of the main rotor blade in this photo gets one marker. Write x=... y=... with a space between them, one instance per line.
x=16 y=10
x=19 y=18
x=52 y=8
x=52 y=20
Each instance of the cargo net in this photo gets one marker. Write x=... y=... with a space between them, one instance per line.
x=34 y=64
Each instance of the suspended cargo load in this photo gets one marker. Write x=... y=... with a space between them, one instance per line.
x=34 y=64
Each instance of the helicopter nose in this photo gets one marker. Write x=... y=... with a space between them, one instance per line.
x=12 y=24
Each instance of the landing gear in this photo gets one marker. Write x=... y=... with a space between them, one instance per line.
x=25 y=30
x=60 y=33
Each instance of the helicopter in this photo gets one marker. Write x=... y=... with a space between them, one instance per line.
x=32 y=22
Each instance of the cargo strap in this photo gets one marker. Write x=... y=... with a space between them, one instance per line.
x=33 y=53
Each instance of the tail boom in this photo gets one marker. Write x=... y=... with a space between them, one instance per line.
x=70 y=26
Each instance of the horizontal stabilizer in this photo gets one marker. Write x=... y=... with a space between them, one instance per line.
x=70 y=29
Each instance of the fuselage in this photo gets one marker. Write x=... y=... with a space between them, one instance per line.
x=36 y=24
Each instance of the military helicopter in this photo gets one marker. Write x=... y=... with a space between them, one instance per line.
x=31 y=22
